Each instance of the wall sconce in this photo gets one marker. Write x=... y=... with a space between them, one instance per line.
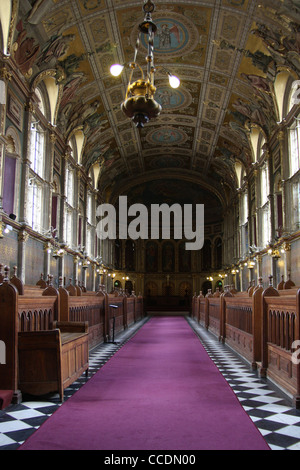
x=251 y=264
x=58 y=253
x=85 y=263
x=274 y=252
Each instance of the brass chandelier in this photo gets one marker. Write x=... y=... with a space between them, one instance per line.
x=139 y=103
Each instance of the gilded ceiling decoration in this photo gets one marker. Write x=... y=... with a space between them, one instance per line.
x=226 y=53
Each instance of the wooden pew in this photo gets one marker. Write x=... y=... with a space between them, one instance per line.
x=51 y=360
x=43 y=354
x=91 y=309
x=262 y=328
x=280 y=329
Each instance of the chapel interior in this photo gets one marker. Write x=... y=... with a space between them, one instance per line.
x=227 y=138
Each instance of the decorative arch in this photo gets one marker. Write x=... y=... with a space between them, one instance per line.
x=8 y=18
x=283 y=88
x=47 y=83
x=151 y=289
x=257 y=139
x=13 y=141
x=240 y=172
x=185 y=289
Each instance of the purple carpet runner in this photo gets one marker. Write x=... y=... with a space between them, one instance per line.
x=160 y=391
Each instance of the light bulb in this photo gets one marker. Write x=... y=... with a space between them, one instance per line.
x=116 y=69
x=174 y=81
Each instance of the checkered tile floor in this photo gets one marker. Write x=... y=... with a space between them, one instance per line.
x=271 y=412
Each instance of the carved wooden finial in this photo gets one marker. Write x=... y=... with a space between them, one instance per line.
x=6 y=274
x=271 y=280
x=260 y=281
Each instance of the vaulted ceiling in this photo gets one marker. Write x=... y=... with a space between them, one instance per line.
x=219 y=50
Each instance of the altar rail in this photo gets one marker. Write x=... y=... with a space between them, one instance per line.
x=262 y=326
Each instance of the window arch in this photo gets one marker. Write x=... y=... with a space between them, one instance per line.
x=69 y=209
x=35 y=207
x=294 y=146
x=37 y=148
x=243 y=223
x=37 y=210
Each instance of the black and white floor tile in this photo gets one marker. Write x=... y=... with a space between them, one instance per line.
x=270 y=409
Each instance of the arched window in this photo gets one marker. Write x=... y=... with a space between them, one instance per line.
x=243 y=222
x=38 y=174
x=294 y=146
x=70 y=186
x=69 y=210
x=35 y=207
x=264 y=212
x=264 y=185
x=37 y=148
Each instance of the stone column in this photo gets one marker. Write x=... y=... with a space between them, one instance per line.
x=47 y=254
x=5 y=77
x=271 y=197
x=22 y=240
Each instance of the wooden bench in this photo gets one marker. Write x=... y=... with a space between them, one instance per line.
x=43 y=354
x=280 y=331
x=51 y=360
x=260 y=325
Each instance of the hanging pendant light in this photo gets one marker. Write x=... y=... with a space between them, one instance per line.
x=139 y=103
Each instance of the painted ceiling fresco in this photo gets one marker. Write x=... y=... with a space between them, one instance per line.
x=224 y=51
